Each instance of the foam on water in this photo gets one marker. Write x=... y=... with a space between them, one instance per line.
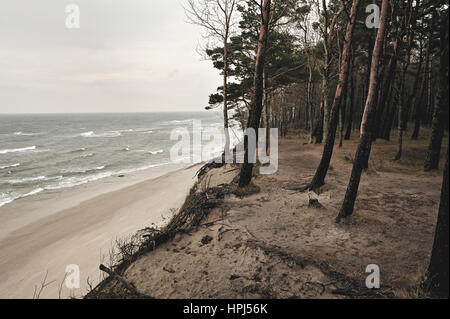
x=10 y=166
x=156 y=152
x=18 y=150
x=82 y=148
x=104 y=135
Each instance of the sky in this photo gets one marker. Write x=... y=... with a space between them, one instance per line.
x=127 y=56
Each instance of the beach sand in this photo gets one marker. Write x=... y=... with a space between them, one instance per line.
x=276 y=243
x=46 y=233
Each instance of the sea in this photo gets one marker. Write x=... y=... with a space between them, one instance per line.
x=56 y=151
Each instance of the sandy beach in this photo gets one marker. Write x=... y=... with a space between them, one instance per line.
x=47 y=232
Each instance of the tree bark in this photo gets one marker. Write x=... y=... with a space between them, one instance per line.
x=267 y=107
x=318 y=131
x=257 y=99
x=420 y=106
x=225 y=95
x=393 y=101
x=342 y=113
x=365 y=142
x=436 y=280
x=327 y=39
x=348 y=132
x=321 y=172
x=440 y=113
x=401 y=117
x=310 y=104
x=404 y=107
x=385 y=110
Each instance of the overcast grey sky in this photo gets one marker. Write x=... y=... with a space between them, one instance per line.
x=127 y=56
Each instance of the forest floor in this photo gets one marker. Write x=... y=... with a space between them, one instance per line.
x=273 y=244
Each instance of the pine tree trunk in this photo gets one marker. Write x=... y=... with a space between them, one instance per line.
x=321 y=172
x=404 y=107
x=325 y=74
x=257 y=100
x=267 y=107
x=348 y=132
x=365 y=142
x=342 y=117
x=436 y=279
x=225 y=97
x=327 y=39
x=318 y=130
x=420 y=106
x=440 y=115
x=385 y=109
x=393 y=101
x=310 y=105
x=402 y=118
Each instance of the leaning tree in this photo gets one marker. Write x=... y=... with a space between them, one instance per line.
x=365 y=142
x=256 y=104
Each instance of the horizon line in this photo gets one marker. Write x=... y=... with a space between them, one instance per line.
x=72 y=113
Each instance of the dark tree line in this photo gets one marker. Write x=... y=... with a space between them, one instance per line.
x=314 y=65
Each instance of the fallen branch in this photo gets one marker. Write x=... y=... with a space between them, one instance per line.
x=124 y=282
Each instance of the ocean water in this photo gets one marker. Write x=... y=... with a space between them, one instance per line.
x=48 y=152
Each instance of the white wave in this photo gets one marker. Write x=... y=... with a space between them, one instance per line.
x=5 y=199
x=27 y=180
x=34 y=192
x=76 y=181
x=10 y=166
x=33 y=179
x=155 y=152
x=107 y=134
x=78 y=150
x=18 y=150
x=26 y=134
x=122 y=131
x=87 y=134
x=144 y=130
x=88 y=155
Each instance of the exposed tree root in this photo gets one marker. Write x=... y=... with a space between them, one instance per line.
x=129 y=286
x=195 y=209
x=348 y=286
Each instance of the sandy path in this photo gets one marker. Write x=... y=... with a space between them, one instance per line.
x=83 y=235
